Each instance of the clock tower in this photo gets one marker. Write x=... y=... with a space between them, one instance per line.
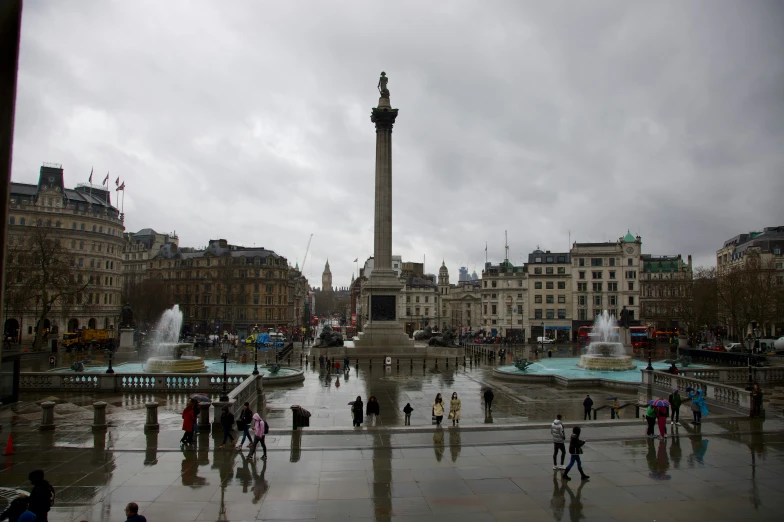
x=326 y=278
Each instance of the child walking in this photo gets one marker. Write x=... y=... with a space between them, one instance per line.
x=407 y=411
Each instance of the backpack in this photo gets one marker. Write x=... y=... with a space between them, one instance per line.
x=266 y=427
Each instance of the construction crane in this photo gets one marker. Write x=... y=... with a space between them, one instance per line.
x=304 y=259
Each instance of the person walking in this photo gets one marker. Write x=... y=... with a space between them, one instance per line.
x=188 y=423
x=243 y=423
x=661 y=418
x=41 y=497
x=356 y=409
x=650 y=418
x=454 y=409
x=407 y=409
x=575 y=450
x=559 y=441
x=756 y=401
x=675 y=401
x=438 y=409
x=346 y=363
x=260 y=429
x=227 y=423
x=15 y=509
x=616 y=406
x=373 y=410
x=587 y=404
x=489 y=400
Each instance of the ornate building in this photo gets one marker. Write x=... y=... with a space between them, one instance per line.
x=88 y=230
x=228 y=288
x=139 y=248
x=549 y=299
x=662 y=289
x=326 y=278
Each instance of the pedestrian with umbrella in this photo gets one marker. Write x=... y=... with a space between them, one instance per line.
x=662 y=413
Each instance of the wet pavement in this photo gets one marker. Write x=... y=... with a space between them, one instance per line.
x=492 y=467
x=725 y=470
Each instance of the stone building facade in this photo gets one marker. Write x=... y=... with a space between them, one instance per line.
x=139 y=248
x=229 y=288
x=663 y=281
x=90 y=230
x=503 y=301
x=549 y=295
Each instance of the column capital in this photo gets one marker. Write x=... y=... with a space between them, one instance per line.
x=383 y=118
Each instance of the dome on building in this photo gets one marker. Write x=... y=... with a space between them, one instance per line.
x=443 y=269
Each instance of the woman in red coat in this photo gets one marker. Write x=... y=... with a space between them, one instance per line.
x=188 y=422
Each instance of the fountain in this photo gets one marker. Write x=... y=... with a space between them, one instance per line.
x=169 y=353
x=605 y=355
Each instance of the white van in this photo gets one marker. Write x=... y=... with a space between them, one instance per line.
x=544 y=340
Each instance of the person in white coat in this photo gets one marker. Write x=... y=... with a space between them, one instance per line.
x=559 y=441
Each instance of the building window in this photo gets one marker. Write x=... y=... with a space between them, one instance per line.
x=597 y=300
x=561 y=285
x=493 y=284
x=630 y=262
x=427 y=298
x=493 y=310
x=538 y=285
x=550 y=299
x=613 y=300
x=612 y=261
x=631 y=274
x=562 y=313
x=561 y=299
x=562 y=259
x=631 y=285
x=537 y=299
x=612 y=274
x=597 y=287
x=581 y=274
x=631 y=300
x=612 y=287
x=538 y=270
x=538 y=313
x=549 y=285
x=549 y=270
x=597 y=313
x=596 y=261
x=582 y=315
x=550 y=313
x=519 y=296
x=561 y=269
x=581 y=300
x=596 y=275
x=582 y=287
x=581 y=262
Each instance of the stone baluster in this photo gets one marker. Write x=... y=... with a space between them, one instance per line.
x=151 y=423
x=47 y=416
x=99 y=416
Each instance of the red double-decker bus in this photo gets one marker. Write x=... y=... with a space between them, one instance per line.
x=641 y=336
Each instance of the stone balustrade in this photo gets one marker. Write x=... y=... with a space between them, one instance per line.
x=726 y=396
x=117 y=383
x=740 y=376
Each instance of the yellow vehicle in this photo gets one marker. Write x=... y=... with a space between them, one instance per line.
x=87 y=338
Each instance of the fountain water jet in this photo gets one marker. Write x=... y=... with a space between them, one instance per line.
x=168 y=351
x=605 y=354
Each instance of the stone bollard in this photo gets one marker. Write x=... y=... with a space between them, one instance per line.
x=47 y=416
x=99 y=416
x=204 y=416
x=151 y=422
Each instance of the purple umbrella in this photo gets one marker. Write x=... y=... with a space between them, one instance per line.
x=200 y=398
x=659 y=402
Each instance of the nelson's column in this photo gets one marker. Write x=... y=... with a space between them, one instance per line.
x=380 y=293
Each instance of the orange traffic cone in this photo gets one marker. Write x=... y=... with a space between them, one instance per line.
x=9 y=446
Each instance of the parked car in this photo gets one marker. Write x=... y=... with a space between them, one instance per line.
x=735 y=348
x=544 y=340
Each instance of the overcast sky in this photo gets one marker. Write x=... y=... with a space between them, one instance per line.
x=250 y=121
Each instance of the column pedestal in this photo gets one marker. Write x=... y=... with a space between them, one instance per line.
x=126 y=340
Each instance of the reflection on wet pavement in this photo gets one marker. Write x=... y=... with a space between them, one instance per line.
x=732 y=469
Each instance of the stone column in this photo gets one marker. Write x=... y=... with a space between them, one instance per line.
x=151 y=423
x=384 y=118
x=47 y=416
x=99 y=416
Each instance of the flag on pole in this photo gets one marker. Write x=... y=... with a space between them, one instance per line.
x=90 y=179
x=106 y=179
x=356 y=259
x=121 y=187
x=117 y=183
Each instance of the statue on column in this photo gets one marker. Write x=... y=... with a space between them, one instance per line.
x=623 y=319
x=127 y=316
x=382 y=85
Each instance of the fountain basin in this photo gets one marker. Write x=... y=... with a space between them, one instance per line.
x=183 y=364
x=606 y=363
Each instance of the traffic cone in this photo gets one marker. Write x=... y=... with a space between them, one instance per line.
x=9 y=446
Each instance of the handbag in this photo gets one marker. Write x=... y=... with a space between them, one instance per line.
x=451 y=415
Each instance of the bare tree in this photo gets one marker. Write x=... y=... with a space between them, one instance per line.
x=148 y=300
x=231 y=291
x=42 y=274
x=696 y=305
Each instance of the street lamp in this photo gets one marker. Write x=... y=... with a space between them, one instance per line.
x=225 y=356
x=110 y=351
x=256 y=352
x=542 y=338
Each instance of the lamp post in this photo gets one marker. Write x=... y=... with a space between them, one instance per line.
x=110 y=351
x=255 y=351
x=225 y=356
x=542 y=338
